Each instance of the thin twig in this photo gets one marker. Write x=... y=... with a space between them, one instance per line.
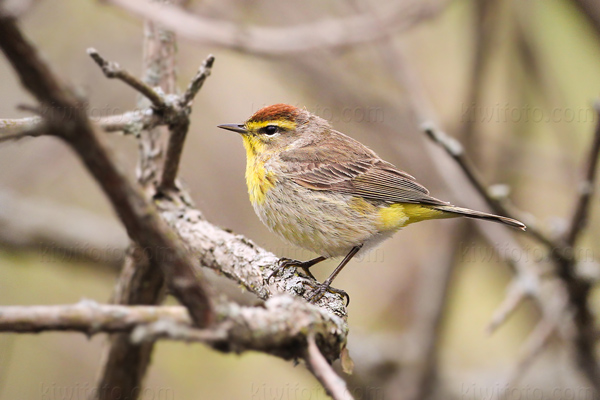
x=13 y=129
x=113 y=70
x=456 y=151
x=198 y=80
x=321 y=369
x=179 y=127
x=128 y=122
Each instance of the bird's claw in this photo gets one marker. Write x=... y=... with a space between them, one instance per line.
x=320 y=290
x=285 y=263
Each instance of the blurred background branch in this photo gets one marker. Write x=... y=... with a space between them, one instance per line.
x=269 y=41
x=511 y=81
x=59 y=234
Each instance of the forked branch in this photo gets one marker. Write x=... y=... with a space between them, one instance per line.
x=140 y=218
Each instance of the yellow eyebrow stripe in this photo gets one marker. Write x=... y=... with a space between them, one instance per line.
x=253 y=126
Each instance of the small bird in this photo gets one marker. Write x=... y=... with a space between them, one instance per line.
x=328 y=193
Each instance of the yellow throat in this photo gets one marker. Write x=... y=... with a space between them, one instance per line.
x=257 y=179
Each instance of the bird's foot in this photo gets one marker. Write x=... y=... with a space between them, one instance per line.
x=321 y=288
x=285 y=263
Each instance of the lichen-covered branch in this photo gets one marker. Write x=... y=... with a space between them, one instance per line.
x=130 y=122
x=281 y=327
x=86 y=316
x=237 y=257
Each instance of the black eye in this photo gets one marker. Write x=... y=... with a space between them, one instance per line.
x=270 y=130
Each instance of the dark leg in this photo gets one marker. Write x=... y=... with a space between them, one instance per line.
x=320 y=289
x=305 y=265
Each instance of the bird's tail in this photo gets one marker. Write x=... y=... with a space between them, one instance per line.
x=481 y=215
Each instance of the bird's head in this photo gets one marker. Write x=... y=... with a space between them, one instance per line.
x=277 y=127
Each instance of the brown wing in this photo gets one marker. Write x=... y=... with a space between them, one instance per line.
x=355 y=171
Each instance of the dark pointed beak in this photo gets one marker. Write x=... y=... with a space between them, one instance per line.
x=239 y=128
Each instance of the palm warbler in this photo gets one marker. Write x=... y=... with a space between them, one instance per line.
x=324 y=191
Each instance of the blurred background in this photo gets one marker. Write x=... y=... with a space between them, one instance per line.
x=513 y=80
